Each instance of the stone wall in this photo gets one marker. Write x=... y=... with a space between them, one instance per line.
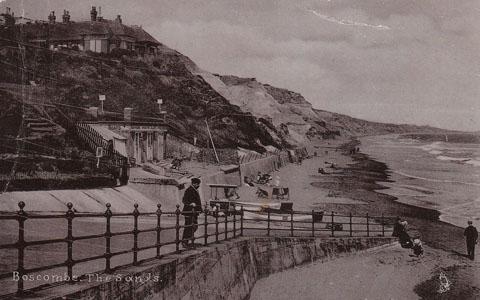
x=176 y=148
x=263 y=165
x=225 y=156
x=224 y=271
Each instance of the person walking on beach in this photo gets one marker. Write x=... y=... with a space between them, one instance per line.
x=192 y=206
x=471 y=236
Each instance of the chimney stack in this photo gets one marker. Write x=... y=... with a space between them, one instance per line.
x=127 y=114
x=66 y=16
x=52 y=17
x=119 y=19
x=93 y=112
x=93 y=14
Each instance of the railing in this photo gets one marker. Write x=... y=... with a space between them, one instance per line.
x=313 y=223
x=215 y=225
x=93 y=139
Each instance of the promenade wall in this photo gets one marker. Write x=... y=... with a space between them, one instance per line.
x=225 y=271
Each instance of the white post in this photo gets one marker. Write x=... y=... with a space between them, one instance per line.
x=211 y=140
x=101 y=98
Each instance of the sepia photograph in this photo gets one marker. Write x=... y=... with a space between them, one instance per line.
x=239 y=149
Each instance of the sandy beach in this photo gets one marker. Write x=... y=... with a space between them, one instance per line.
x=381 y=273
x=387 y=273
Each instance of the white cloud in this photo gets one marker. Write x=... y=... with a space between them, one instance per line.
x=347 y=22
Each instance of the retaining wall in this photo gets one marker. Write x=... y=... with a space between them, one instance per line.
x=224 y=271
x=167 y=194
x=264 y=165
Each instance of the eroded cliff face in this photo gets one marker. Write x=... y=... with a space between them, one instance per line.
x=294 y=118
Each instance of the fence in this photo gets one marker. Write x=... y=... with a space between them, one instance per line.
x=225 y=156
x=217 y=225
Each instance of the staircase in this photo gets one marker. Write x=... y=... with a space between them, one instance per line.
x=37 y=122
x=38 y=128
x=93 y=139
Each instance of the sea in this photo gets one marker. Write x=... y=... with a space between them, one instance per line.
x=433 y=173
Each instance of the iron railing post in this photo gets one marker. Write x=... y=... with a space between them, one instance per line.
x=205 y=236
x=351 y=230
x=70 y=215
x=313 y=223
x=234 y=222
x=192 y=226
x=159 y=228
x=22 y=217
x=333 y=226
x=291 y=222
x=226 y=223
x=383 y=225
x=216 y=225
x=241 y=220
x=368 y=227
x=268 y=221
x=177 y=228
x=108 y=237
x=135 y=234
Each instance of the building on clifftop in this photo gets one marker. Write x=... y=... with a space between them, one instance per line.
x=97 y=35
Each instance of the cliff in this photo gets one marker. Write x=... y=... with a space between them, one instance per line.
x=242 y=112
x=292 y=115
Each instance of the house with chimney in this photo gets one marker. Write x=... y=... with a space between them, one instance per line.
x=97 y=35
x=7 y=19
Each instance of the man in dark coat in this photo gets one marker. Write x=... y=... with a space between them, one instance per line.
x=397 y=228
x=192 y=206
x=471 y=235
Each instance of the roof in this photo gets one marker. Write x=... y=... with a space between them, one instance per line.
x=76 y=31
x=143 y=36
x=107 y=133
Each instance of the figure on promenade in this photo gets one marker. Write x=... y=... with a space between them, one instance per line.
x=471 y=236
x=403 y=237
x=397 y=227
x=192 y=206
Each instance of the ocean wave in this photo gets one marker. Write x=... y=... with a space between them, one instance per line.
x=444 y=157
x=435 y=180
x=432 y=146
x=435 y=152
x=467 y=149
x=474 y=162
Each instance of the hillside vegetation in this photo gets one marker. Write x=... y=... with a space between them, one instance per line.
x=241 y=112
x=71 y=81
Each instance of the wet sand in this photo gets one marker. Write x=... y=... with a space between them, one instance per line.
x=358 y=178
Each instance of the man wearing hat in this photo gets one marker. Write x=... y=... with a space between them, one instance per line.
x=192 y=206
x=471 y=235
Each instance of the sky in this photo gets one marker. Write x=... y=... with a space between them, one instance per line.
x=398 y=61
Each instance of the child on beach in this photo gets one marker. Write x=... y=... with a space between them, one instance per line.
x=417 y=247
